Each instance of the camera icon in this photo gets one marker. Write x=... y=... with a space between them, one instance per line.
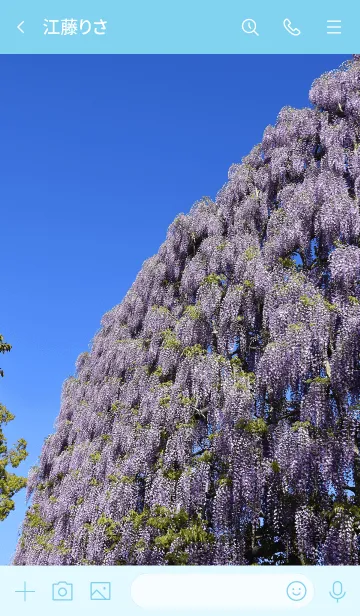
x=62 y=591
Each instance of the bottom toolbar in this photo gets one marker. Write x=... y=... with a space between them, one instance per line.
x=132 y=591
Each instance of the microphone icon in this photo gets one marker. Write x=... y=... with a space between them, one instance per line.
x=337 y=591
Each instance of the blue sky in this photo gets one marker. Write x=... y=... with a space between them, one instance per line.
x=98 y=156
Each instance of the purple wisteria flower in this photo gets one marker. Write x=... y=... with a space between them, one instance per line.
x=216 y=419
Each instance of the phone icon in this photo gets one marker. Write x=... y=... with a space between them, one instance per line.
x=290 y=30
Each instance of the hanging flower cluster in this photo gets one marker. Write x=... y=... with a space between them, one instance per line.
x=216 y=419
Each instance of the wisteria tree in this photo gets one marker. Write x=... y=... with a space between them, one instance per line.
x=10 y=483
x=216 y=419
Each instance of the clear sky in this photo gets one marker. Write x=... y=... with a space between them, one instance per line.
x=98 y=155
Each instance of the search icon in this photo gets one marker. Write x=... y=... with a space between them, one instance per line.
x=249 y=26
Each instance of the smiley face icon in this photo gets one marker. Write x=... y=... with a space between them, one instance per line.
x=296 y=591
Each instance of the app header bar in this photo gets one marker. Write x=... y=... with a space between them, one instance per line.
x=180 y=27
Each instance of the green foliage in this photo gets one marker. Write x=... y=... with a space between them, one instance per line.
x=137 y=519
x=170 y=340
x=167 y=384
x=236 y=364
x=127 y=479
x=5 y=347
x=172 y=473
x=165 y=401
x=207 y=456
x=321 y=380
x=115 y=407
x=296 y=327
x=253 y=426
x=190 y=424
x=225 y=481
x=341 y=509
x=161 y=309
x=34 y=518
x=48 y=485
x=220 y=358
x=185 y=401
x=330 y=306
x=193 y=351
x=62 y=549
x=173 y=532
x=251 y=252
x=275 y=466
x=95 y=457
x=257 y=426
x=339 y=244
x=113 y=478
x=43 y=540
x=242 y=379
x=111 y=529
x=307 y=301
x=300 y=424
x=353 y=300
x=214 y=279
x=10 y=483
x=193 y=311
x=287 y=262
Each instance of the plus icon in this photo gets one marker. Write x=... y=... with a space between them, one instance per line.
x=25 y=591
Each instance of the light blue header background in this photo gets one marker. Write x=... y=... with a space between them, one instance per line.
x=182 y=26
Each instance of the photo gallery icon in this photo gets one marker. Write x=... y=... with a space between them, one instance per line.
x=100 y=591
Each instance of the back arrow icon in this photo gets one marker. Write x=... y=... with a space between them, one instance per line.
x=19 y=27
